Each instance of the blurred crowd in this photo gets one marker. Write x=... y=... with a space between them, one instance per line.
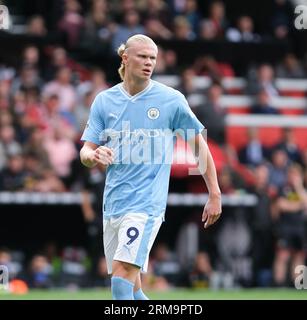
x=96 y=22
x=72 y=269
x=45 y=103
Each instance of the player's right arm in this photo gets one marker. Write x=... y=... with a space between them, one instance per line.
x=91 y=154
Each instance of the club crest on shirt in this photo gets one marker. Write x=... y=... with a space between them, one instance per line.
x=153 y=113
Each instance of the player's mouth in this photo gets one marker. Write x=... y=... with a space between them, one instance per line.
x=147 y=71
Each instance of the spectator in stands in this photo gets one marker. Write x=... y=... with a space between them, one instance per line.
x=290 y=206
x=32 y=114
x=7 y=259
x=6 y=118
x=28 y=78
x=262 y=228
x=201 y=272
x=165 y=264
x=8 y=144
x=130 y=26
x=212 y=114
x=166 y=62
x=183 y=29
x=289 y=145
x=62 y=87
x=242 y=176
x=82 y=110
x=36 y=26
x=119 y=7
x=244 y=32
x=263 y=104
x=51 y=252
x=282 y=18
x=40 y=272
x=49 y=182
x=229 y=180
x=278 y=168
x=57 y=59
x=74 y=268
x=98 y=28
x=192 y=13
x=157 y=10
x=33 y=170
x=176 y=7
x=207 y=30
x=34 y=146
x=95 y=84
x=13 y=177
x=53 y=116
x=218 y=18
x=31 y=56
x=6 y=73
x=39 y=176
x=61 y=152
x=72 y=22
x=263 y=79
x=253 y=153
x=290 y=67
x=18 y=103
x=4 y=94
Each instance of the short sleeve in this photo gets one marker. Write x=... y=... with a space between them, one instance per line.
x=95 y=124
x=185 y=122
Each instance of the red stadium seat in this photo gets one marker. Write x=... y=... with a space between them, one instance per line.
x=269 y=136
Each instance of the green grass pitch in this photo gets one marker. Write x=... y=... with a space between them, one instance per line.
x=175 y=294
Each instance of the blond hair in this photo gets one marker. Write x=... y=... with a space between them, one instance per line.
x=124 y=46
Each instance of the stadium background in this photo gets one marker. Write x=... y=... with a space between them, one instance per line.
x=58 y=54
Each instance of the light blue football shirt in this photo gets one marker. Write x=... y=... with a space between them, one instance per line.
x=140 y=129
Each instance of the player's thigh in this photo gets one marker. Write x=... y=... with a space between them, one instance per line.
x=110 y=242
x=136 y=235
x=156 y=228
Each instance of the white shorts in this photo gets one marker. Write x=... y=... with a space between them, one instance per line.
x=129 y=238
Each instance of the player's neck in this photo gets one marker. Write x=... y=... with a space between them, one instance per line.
x=134 y=87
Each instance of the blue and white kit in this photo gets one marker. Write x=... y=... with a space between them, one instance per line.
x=140 y=129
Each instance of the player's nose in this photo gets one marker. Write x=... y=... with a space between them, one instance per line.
x=148 y=62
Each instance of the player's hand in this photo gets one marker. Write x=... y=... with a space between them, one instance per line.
x=104 y=155
x=212 y=210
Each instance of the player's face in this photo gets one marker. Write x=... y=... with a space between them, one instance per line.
x=141 y=60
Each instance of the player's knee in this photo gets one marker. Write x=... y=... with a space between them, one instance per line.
x=125 y=270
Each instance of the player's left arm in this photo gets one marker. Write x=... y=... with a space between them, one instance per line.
x=206 y=166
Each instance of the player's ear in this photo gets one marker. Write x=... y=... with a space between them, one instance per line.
x=124 y=58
